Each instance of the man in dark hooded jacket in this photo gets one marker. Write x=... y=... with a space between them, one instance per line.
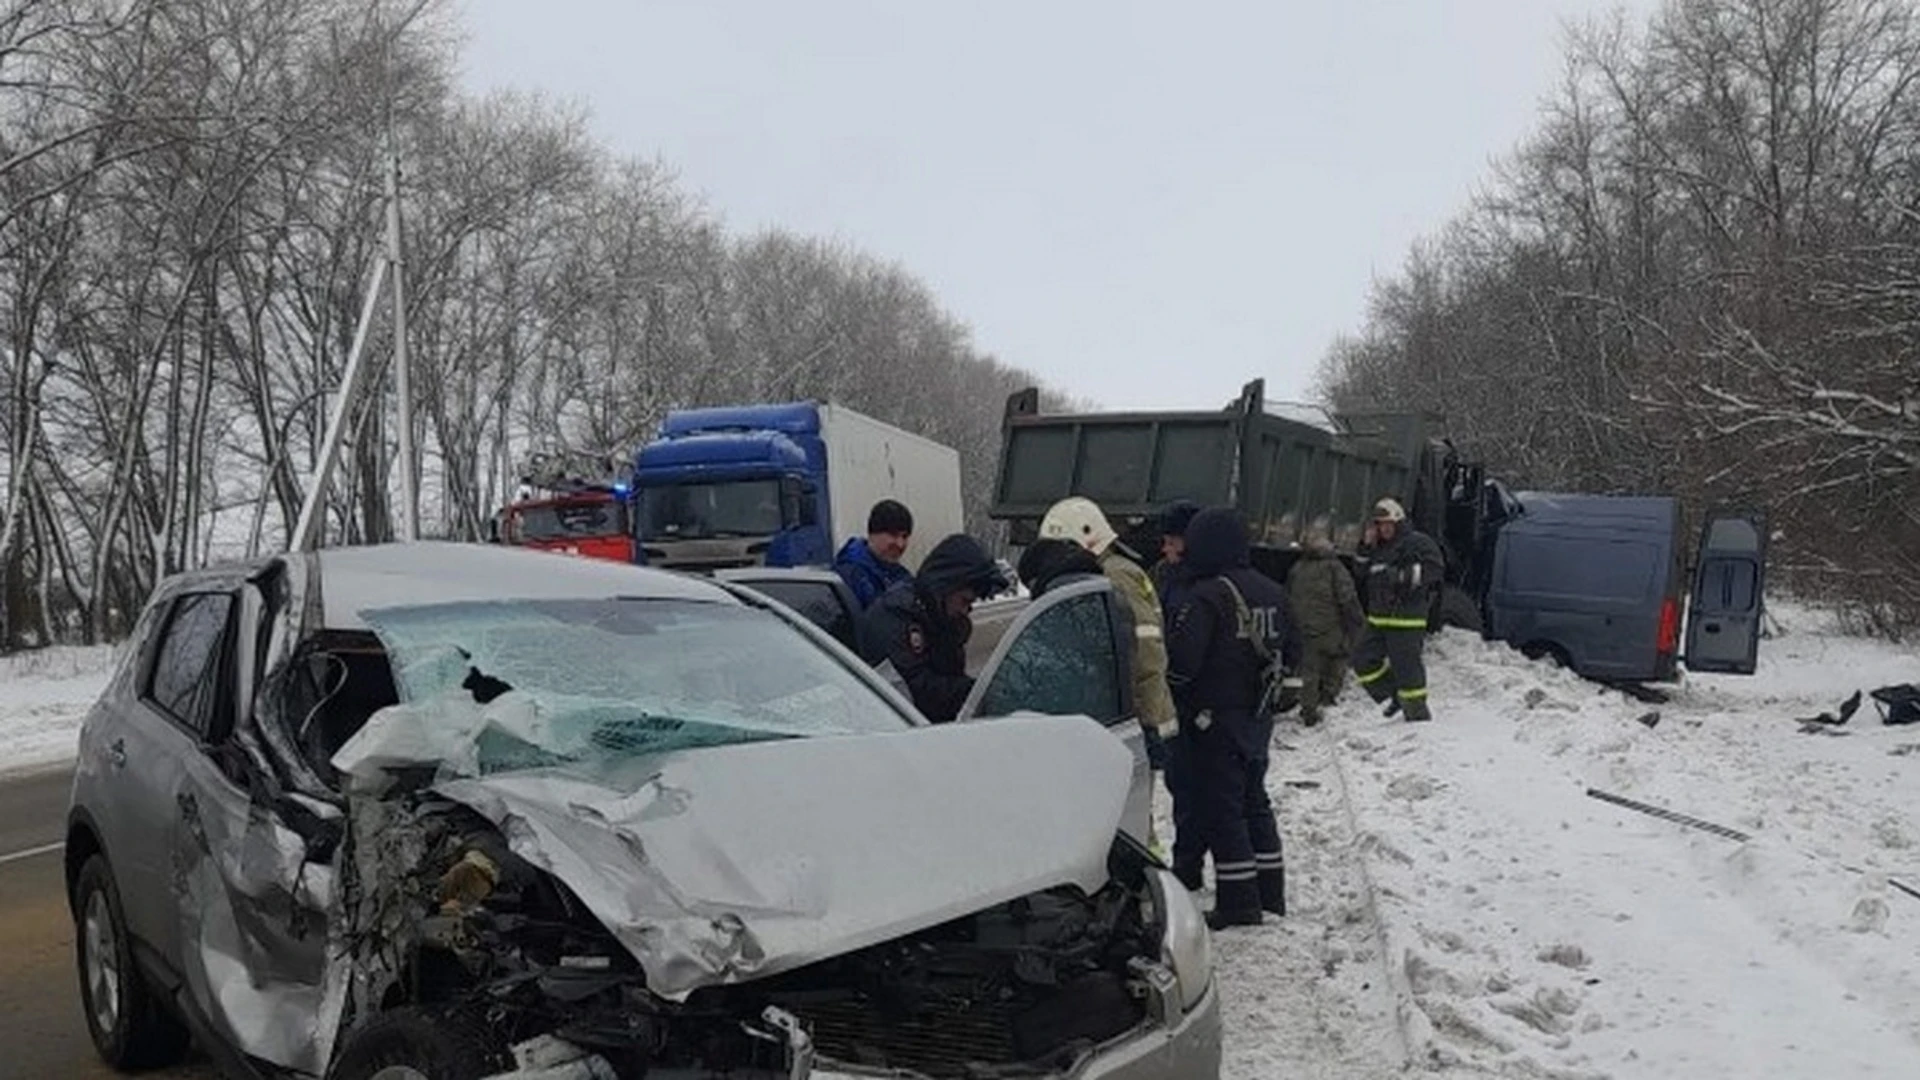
x=1049 y=563
x=1217 y=675
x=1170 y=573
x=921 y=626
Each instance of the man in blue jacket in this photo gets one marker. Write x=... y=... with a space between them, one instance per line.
x=870 y=565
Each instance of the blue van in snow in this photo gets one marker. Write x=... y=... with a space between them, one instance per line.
x=1599 y=582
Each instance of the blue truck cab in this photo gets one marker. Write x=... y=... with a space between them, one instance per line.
x=782 y=485
x=732 y=487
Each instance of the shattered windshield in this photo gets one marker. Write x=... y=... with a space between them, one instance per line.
x=703 y=511
x=498 y=686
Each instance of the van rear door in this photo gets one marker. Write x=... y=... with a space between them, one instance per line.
x=1723 y=620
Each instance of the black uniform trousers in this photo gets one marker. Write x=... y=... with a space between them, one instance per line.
x=1391 y=664
x=1222 y=772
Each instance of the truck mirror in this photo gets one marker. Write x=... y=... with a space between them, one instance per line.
x=797 y=495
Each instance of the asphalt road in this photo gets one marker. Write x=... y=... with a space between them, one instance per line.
x=43 y=1035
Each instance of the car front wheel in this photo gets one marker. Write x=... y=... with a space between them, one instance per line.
x=420 y=1044
x=131 y=1027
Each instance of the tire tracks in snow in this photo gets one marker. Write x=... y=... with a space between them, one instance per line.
x=1310 y=997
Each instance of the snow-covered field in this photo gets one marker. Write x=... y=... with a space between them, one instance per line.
x=1462 y=905
x=43 y=697
x=1463 y=908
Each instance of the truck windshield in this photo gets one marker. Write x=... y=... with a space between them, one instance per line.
x=568 y=521
x=700 y=511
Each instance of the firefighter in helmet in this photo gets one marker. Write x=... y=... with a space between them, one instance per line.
x=1081 y=522
x=1404 y=568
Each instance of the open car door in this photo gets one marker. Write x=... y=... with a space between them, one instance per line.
x=1723 y=619
x=1070 y=654
x=819 y=596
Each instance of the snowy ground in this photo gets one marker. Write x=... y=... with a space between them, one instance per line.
x=43 y=697
x=1462 y=908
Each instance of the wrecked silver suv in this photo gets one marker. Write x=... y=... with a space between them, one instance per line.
x=354 y=815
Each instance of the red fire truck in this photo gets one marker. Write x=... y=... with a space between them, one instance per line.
x=561 y=510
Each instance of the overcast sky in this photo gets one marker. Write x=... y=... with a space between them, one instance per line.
x=1146 y=204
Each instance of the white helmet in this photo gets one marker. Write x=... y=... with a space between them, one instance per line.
x=1389 y=510
x=1080 y=521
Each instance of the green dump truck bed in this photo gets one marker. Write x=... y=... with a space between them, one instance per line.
x=1292 y=479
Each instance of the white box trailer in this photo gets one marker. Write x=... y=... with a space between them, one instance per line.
x=868 y=460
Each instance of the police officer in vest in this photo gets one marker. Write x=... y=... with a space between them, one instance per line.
x=1403 y=569
x=1233 y=625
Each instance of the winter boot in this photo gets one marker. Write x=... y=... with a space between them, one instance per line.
x=1310 y=717
x=1392 y=710
x=1416 y=709
x=1236 y=903
x=1273 y=891
x=1191 y=877
x=1226 y=918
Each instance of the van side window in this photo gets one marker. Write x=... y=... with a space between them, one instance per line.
x=185 y=682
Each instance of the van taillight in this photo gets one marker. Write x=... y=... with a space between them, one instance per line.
x=1669 y=626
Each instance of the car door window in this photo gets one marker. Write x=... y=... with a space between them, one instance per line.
x=1062 y=663
x=186 y=669
x=817 y=601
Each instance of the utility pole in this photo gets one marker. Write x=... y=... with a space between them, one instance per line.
x=402 y=371
x=307 y=531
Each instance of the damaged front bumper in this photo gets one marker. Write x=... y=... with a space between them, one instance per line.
x=1189 y=1048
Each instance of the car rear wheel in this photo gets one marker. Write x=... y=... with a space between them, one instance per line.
x=420 y=1044
x=131 y=1027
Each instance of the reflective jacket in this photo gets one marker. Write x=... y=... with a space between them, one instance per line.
x=1401 y=579
x=1152 y=701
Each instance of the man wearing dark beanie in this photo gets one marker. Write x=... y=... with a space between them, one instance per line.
x=870 y=565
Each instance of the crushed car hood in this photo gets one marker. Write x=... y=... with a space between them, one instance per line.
x=728 y=864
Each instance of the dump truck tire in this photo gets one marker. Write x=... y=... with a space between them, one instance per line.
x=1458 y=609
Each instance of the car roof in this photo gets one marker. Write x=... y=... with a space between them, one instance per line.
x=357 y=579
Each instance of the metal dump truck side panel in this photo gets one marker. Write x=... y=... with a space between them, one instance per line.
x=1290 y=479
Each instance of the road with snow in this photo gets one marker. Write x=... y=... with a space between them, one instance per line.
x=1461 y=907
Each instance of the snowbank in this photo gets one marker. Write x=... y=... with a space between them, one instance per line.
x=1529 y=930
x=43 y=697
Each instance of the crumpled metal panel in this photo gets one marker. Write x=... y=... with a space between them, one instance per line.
x=255 y=940
x=728 y=864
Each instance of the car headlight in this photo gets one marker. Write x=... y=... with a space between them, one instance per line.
x=1186 y=947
